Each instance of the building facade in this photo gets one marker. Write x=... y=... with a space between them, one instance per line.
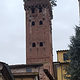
x=61 y=64
x=28 y=72
x=19 y=72
x=25 y=72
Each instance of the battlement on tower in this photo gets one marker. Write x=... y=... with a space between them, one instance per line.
x=29 y=4
x=36 y=2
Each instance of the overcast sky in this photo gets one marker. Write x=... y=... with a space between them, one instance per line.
x=12 y=28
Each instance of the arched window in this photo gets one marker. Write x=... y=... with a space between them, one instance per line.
x=41 y=22
x=33 y=10
x=41 y=44
x=40 y=9
x=33 y=23
x=33 y=44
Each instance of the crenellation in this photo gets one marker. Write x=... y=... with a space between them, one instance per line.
x=37 y=4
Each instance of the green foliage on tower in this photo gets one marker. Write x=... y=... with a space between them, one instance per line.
x=53 y=2
x=73 y=70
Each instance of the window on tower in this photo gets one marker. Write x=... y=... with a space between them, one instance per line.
x=33 y=44
x=40 y=9
x=33 y=10
x=33 y=23
x=41 y=22
x=41 y=44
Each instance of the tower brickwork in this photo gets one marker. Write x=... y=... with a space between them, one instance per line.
x=38 y=32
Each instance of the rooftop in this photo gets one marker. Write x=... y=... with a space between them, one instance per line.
x=24 y=65
x=62 y=50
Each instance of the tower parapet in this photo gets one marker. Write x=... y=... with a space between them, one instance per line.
x=29 y=4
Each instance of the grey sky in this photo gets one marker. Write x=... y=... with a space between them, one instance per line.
x=12 y=28
x=65 y=19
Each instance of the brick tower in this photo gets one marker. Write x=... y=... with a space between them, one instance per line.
x=38 y=31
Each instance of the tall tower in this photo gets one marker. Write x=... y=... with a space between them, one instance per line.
x=38 y=31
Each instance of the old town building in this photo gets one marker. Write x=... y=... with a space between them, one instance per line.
x=61 y=64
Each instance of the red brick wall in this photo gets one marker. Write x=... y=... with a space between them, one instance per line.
x=38 y=33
